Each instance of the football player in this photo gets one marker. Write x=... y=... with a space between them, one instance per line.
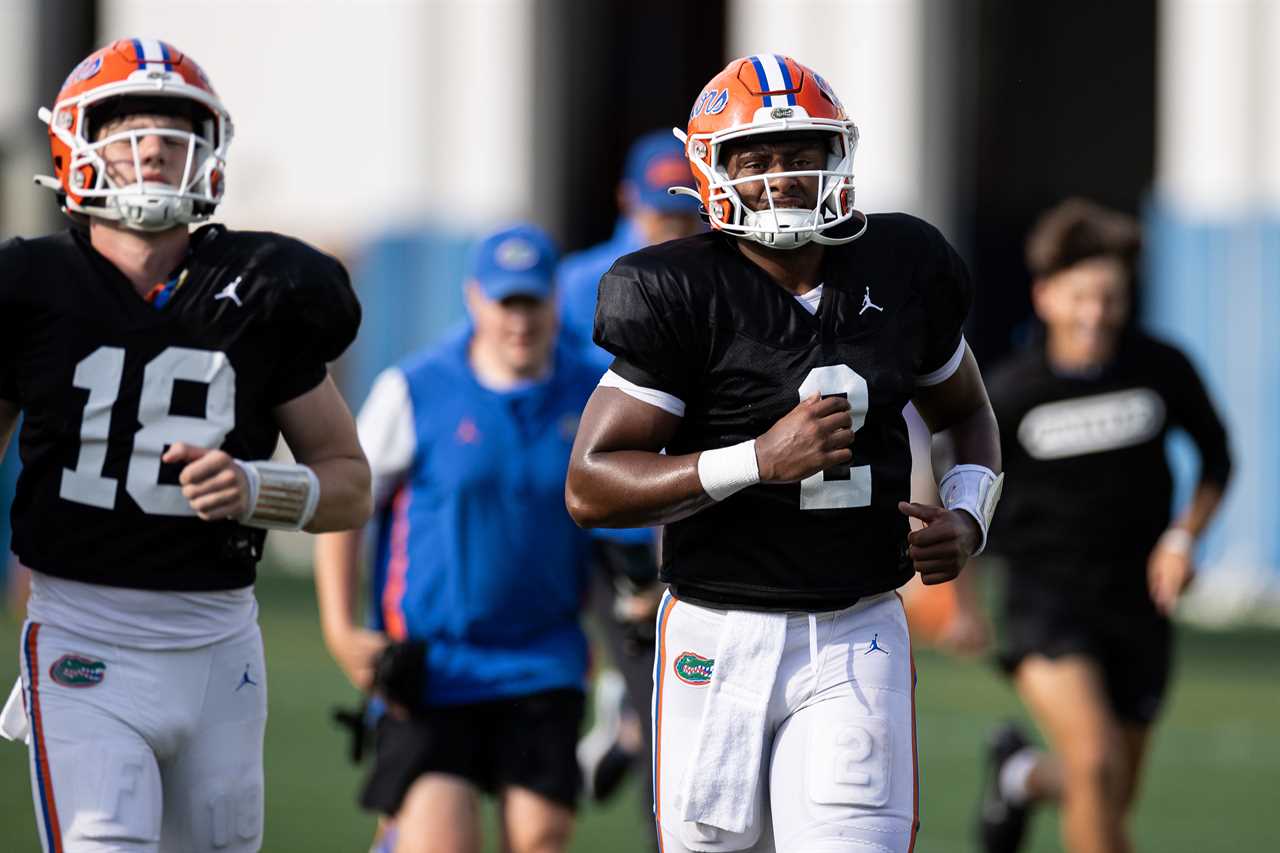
x=754 y=407
x=625 y=589
x=157 y=367
x=1096 y=563
x=481 y=574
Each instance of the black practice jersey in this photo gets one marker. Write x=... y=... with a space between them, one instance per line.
x=694 y=318
x=107 y=383
x=1088 y=487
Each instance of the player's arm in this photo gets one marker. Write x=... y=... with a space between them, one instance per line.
x=1170 y=566
x=320 y=431
x=618 y=477
x=958 y=411
x=386 y=433
x=354 y=647
x=326 y=489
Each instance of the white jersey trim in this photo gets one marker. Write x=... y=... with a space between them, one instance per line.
x=652 y=396
x=141 y=618
x=942 y=374
x=385 y=426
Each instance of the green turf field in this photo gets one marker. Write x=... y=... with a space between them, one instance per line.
x=1214 y=769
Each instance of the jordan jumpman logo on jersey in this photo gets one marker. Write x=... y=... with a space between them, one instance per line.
x=867 y=303
x=229 y=292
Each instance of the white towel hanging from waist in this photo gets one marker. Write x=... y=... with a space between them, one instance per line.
x=13 y=719
x=720 y=782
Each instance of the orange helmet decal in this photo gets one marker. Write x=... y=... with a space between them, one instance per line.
x=156 y=73
x=765 y=94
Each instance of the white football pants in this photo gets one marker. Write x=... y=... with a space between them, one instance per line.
x=838 y=771
x=145 y=751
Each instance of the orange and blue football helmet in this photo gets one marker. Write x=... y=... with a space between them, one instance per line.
x=133 y=76
x=757 y=96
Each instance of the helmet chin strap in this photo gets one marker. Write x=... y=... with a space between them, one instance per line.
x=840 y=241
x=147 y=210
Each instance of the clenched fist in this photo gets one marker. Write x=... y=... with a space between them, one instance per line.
x=940 y=549
x=812 y=437
x=212 y=483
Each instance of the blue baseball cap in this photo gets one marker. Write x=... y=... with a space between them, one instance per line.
x=516 y=261
x=654 y=162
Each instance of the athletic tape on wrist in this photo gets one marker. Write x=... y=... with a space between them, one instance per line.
x=726 y=470
x=974 y=489
x=282 y=495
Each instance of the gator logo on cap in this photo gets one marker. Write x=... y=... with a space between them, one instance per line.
x=75 y=671
x=516 y=254
x=693 y=668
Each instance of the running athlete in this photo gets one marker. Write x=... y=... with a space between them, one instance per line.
x=1096 y=564
x=771 y=359
x=156 y=369
x=482 y=574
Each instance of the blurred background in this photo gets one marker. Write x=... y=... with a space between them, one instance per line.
x=392 y=133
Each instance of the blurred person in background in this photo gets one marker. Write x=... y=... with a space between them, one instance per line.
x=157 y=368
x=746 y=359
x=625 y=589
x=481 y=661
x=1095 y=564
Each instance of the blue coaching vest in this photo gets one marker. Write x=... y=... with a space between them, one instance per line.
x=477 y=553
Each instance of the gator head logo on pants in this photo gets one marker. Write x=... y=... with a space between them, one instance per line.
x=75 y=671
x=694 y=668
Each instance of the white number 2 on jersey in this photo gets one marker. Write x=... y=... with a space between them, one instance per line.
x=101 y=373
x=817 y=492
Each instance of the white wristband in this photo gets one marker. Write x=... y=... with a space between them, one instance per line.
x=726 y=470
x=1176 y=539
x=975 y=489
x=282 y=495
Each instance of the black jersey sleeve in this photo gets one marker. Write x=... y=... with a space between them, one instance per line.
x=1192 y=410
x=948 y=294
x=12 y=280
x=645 y=318
x=317 y=316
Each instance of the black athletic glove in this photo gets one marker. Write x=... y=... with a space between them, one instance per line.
x=353 y=720
x=400 y=674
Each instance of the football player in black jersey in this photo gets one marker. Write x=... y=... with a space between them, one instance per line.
x=754 y=407
x=156 y=369
x=1095 y=563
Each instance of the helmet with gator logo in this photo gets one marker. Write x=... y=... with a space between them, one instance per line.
x=130 y=77
x=754 y=97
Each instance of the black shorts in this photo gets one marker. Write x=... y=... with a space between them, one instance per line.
x=1130 y=641
x=524 y=741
